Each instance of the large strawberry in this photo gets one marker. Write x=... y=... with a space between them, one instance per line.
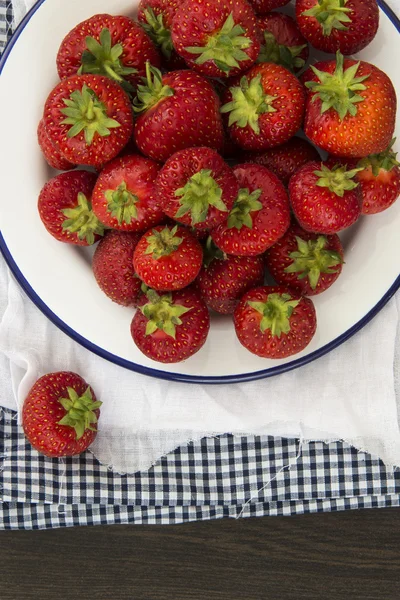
x=65 y=208
x=351 y=107
x=265 y=107
x=60 y=414
x=112 y=266
x=325 y=198
x=50 y=151
x=196 y=187
x=274 y=321
x=283 y=43
x=89 y=119
x=114 y=46
x=307 y=262
x=331 y=25
x=218 y=38
x=168 y=258
x=263 y=7
x=170 y=327
x=124 y=196
x=286 y=159
x=379 y=180
x=260 y=215
x=155 y=16
x=224 y=278
x=176 y=111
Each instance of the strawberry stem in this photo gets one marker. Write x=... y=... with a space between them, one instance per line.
x=276 y=312
x=80 y=413
x=224 y=48
x=245 y=204
x=122 y=203
x=152 y=91
x=249 y=101
x=200 y=192
x=211 y=252
x=385 y=160
x=101 y=58
x=157 y=31
x=86 y=113
x=82 y=220
x=338 y=180
x=287 y=56
x=331 y=14
x=338 y=90
x=162 y=314
x=312 y=258
x=163 y=243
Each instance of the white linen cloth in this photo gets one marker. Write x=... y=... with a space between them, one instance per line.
x=349 y=394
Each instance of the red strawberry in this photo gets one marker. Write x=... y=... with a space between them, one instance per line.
x=114 y=46
x=171 y=108
x=218 y=38
x=60 y=414
x=170 y=327
x=304 y=261
x=64 y=206
x=379 y=180
x=283 y=42
x=196 y=187
x=260 y=215
x=351 y=107
x=50 y=152
x=264 y=6
x=124 y=195
x=113 y=267
x=325 y=199
x=331 y=25
x=265 y=107
x=224 y=278
x=89 y=119
x=155 y=16
x=286 y=159
x=274 y=322
x=168 y=258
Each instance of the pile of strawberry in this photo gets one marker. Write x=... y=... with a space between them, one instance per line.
x=197 y=185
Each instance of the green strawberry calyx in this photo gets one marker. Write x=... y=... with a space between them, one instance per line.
x=162 y=314
x=249 y=101
x=80 y=411
x=276 y=313
x=312 y=258
x=200 y=192
x=102 y=58
x=152 y=91
x=287 y=56
x=121 y=203
x=212 y=252
x=163 y=243
x=157 y=31
x=338 y=180
x=82 y=220
x=331 y=14
x=246 y=203
x=338 y=90
x=85 y=112
x=385 y=160
x=224 y=48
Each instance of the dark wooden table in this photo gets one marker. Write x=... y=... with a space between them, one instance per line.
x=338 y=556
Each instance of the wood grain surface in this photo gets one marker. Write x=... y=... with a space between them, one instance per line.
x=338 y=556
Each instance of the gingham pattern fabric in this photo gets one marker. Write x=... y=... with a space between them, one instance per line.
x=208 y=479
x=217 y=477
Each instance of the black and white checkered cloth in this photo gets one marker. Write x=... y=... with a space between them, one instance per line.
x=217 y=477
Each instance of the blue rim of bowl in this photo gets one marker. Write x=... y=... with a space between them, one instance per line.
x=182 y=377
